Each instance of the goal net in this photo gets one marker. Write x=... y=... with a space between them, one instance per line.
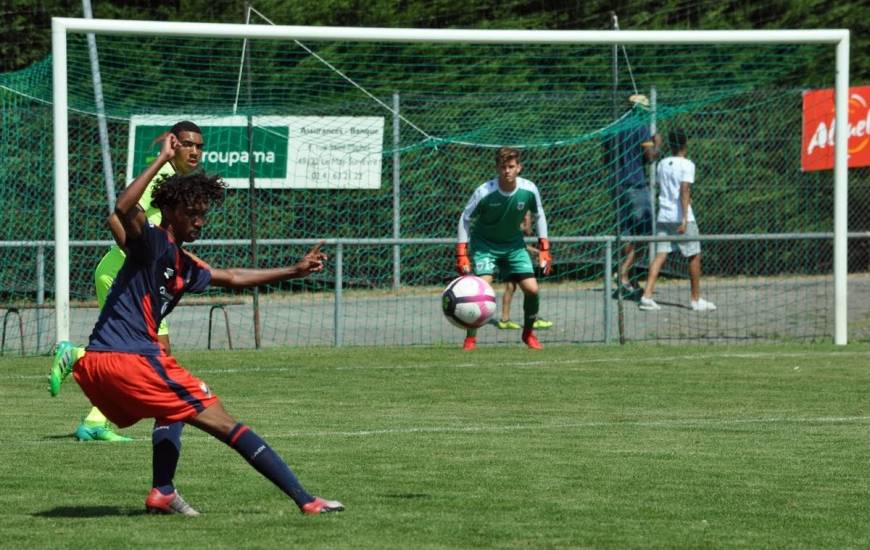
x=375 y=142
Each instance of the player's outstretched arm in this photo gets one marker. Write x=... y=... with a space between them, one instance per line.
x=130 y=215
x=117 y=229
x=237 y=277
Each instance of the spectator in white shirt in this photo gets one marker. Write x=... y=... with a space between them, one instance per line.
x=675 y=175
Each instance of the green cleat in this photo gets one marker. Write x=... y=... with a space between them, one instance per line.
x=62 y=365
x=508 y=325
x=541 y=324
x=98 y=432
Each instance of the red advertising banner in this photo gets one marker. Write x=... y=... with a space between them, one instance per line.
x=817 y=151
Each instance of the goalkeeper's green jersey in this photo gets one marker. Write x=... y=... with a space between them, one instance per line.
x=495 y=216
x=151 y=212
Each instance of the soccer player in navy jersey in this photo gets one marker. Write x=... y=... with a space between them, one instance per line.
x=95 y=426
x=126 y=371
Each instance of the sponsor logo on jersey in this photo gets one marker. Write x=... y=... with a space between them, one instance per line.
x=166 y=298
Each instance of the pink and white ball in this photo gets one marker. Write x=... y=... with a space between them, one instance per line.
x=468 y=302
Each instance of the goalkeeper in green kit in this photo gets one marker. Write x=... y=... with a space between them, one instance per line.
x=490 y=237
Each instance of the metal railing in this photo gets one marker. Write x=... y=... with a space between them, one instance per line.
x=340 y=246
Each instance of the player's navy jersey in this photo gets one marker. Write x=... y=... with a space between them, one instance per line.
x=156 y=273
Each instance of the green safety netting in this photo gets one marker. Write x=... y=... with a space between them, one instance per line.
x=565 y=106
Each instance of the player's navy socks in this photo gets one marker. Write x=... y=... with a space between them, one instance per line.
x=266 y=461
x=531 y=305
x=166 y=448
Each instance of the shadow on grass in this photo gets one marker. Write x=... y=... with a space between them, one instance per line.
x=60 y=436
x=88 y=512
x=406 y=496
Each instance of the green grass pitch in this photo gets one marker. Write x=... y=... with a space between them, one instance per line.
x=572 y=447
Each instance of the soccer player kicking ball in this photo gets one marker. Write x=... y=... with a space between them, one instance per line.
x=490 y=224
x=129 y=376
x=186 y=159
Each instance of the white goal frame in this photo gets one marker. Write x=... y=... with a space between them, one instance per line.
x=60 y=27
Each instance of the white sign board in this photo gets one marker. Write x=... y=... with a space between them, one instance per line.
x=288 y=152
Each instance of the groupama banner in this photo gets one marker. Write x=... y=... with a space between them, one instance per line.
x=288 y=152
x=817 y=151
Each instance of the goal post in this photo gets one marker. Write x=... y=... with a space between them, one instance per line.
x=62 y=27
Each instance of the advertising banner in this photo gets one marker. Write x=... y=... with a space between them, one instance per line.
x=288 y=152
x=817 y=143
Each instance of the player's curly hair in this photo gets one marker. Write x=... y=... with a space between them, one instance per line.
x=192 y=189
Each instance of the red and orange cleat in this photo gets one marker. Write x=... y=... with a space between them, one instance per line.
x=321 y=506
x=158 y=503
x=470 y=343
x=531 y=340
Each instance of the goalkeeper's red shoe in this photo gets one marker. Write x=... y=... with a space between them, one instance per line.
x=531 y=340
x=321 y=506
x=470 y=343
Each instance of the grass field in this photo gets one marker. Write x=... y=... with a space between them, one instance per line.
x=573 y=447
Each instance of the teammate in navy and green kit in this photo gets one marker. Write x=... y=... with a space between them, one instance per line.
x=186 y=159
x=489 y=229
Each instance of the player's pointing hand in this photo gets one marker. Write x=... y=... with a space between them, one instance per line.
x=313 y=261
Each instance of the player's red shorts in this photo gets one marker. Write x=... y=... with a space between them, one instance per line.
x=127 y=387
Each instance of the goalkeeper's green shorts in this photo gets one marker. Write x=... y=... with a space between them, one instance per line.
x=105 y=274
x=512 y=260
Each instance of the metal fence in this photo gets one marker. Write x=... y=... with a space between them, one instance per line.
x=338 y=310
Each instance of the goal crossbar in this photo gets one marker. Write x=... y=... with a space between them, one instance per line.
x=470 y=36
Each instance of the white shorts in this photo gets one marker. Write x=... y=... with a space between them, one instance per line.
x=687 y=248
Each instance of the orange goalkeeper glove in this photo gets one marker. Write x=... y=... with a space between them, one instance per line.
x=463 y=264
x=544 y=258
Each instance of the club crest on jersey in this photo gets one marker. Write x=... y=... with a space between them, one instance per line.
x=521 y=205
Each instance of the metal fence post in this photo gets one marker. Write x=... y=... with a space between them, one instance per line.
x=397 y=204
x=608 y=279
x=339 y=268
x=99 y=103
x=40 y=293
x=653 y=100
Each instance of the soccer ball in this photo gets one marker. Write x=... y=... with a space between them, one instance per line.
x=468 y=302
